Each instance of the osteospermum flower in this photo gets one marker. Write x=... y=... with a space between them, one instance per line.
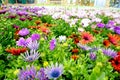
x=23 y=42
x=33 y=45
x=86 y=38
x=35 y=37
x=114 y=39
x=28 y=74
x=92 y=56
x=52 y=44
x=101 y=25
x=117 y=29
x=31 y=56
x=24 y=32
x=54 y=71
x=109 y=52
x=62 y=38
x=115 y=62
x=16 y=51
x=41 y=74
x=106 y=43
x=84 y=47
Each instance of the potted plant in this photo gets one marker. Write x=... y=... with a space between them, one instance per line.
x=30 y=1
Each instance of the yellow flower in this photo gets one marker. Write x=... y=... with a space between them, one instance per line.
x=99 y=64
x=45 y=64
x=65 y=44
x=16 y=71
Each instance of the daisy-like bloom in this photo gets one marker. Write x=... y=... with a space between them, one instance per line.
x=35 y=37
x=85 y=22
x=75 y=57
x=27 y=74
x=24 y=32
x=109 y=52
x=62 y=38
x=54 y=71
x=23 y=42
x=110 y=24
x=114 y=39
x=3 y=11
x=16 y=51
x=86 y=38
x=45 y=30
x=115 y=62
x=41 y=74
x=30 y=56
x=106 y=43
x=52 y=44
x=117 y=29
x=94 y=49
x=33 y=45
x=84 y=47
x=101 y=25
x=93 y=56
x=75 y=50
x=15 y=26
x=80 y=29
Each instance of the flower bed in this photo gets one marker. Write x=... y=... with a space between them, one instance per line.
x=39 y=43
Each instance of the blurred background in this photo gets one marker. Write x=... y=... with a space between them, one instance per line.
x=93 y=3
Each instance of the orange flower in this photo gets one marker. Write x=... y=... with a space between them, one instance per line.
x=106 y=43
x=114 y=39
x=37 y=22
x=86 y=38
x=16 y=51
x=75 y=50
x=75 y=57
x=45 y=30
x=76 y=40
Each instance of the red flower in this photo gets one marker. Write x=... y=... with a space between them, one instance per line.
x=16 y=51
x=106 y=43
x=115 y=62
x=75 y=57
x=114 y=39
x=75 y=50
x=76 y=40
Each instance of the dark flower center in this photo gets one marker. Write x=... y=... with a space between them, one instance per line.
x=55 y=74
x=86 y=38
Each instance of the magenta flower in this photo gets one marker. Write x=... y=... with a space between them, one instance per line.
x=24 y=32
x=23 y=42
x=35 y=37
x=101 y=25
x=52 y=44
x=117 y=29
x=22 y=19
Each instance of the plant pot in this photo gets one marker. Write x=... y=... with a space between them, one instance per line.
x=19 y=1
x=30 y=1
x=12 y=1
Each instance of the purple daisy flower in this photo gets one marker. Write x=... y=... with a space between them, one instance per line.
x=33 y=45
x=28 y=74
x=52 y=44
x=35 y=37
x=3 y=11
x=30 y=56
x=84 y=47
x=101 y=25
x=92 y=56
x=109 y=52
x=110 y=24
x=41 y=74
x=54 y=71
x=24 y=32
x=117 y=29
x=22 y=42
